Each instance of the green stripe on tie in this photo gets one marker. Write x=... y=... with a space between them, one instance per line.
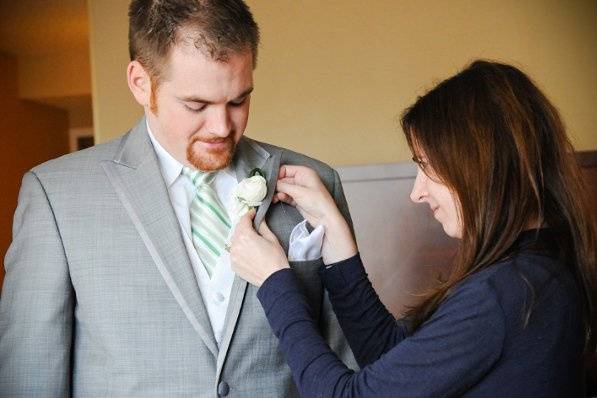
x=206 y=242
x=214 y=210
x=210 y=224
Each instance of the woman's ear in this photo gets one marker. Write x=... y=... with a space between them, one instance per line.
x=139 y=83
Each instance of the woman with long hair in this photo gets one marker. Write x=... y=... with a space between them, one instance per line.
x=513 y=317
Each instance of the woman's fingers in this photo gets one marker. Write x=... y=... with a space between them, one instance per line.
x=254 y=256
x=282 y=172
x=246 y=221
x=300 y=175
x=295 y=192
x=244 y=227
x=282 y=197
x=288 y=171
x=267 y=233
x=306 y=197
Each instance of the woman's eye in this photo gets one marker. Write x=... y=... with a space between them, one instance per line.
x=422 y=163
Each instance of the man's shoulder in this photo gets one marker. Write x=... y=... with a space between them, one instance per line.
x=288 y=156
x=85 y=160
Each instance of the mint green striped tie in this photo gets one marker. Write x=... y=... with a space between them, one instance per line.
x=210 y=223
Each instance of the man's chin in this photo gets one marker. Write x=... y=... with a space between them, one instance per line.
x=210 y=161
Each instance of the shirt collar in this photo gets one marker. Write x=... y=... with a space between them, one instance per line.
x=171 y=168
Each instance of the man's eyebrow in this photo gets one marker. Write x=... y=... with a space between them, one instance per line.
x=245 y=93
x=207 y=102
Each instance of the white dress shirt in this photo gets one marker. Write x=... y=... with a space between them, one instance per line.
x=215 y=291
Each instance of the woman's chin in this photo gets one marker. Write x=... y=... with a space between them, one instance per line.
x=452 y=231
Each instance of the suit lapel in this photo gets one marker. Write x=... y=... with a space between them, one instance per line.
x=271 y=169
x=138 y=182
x=249 y=156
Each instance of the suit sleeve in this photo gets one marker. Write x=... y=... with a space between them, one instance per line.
x=36 y=306
x=330 y=328
x=340 y=199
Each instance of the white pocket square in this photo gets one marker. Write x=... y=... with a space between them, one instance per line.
x=305 y=246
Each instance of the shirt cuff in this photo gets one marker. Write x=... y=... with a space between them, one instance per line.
x=341 y=275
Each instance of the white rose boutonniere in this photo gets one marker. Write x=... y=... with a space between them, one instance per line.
x=249 y=193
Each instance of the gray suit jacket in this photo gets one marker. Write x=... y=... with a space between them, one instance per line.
x=100 y=298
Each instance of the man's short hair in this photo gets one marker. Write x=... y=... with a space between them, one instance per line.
x=215 y=27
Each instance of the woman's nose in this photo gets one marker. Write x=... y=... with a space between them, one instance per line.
x=419 y=191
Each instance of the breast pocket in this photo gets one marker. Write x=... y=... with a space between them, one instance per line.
x=307 y=273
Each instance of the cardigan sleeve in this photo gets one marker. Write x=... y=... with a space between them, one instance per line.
x=447 y=355
x=369 y=327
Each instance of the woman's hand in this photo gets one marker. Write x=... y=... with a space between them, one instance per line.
x=301 y=187
x=255 y=256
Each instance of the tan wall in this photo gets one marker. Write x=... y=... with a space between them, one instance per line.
x=33 y=134
x=334 y=75
x=63 y=74
x=61 y=79
x=114 y=110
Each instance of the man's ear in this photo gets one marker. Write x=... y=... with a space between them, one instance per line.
x=139 y=83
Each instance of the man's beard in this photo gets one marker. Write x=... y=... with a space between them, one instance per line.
x=211 y=160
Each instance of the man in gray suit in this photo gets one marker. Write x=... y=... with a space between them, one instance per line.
x=108 y=290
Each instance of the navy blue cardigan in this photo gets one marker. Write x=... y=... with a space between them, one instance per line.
x=475 y=343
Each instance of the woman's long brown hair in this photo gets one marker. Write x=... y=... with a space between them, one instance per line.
x=497 y=142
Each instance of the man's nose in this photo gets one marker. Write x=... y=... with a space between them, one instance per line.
x=219 y=122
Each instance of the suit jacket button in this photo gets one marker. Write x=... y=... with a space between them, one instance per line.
x=223 y=389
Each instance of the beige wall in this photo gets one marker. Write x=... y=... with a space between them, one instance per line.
x=62 y=74
x=334 y=75
x=114 y=110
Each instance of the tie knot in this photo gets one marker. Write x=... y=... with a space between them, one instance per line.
x=199 y=178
